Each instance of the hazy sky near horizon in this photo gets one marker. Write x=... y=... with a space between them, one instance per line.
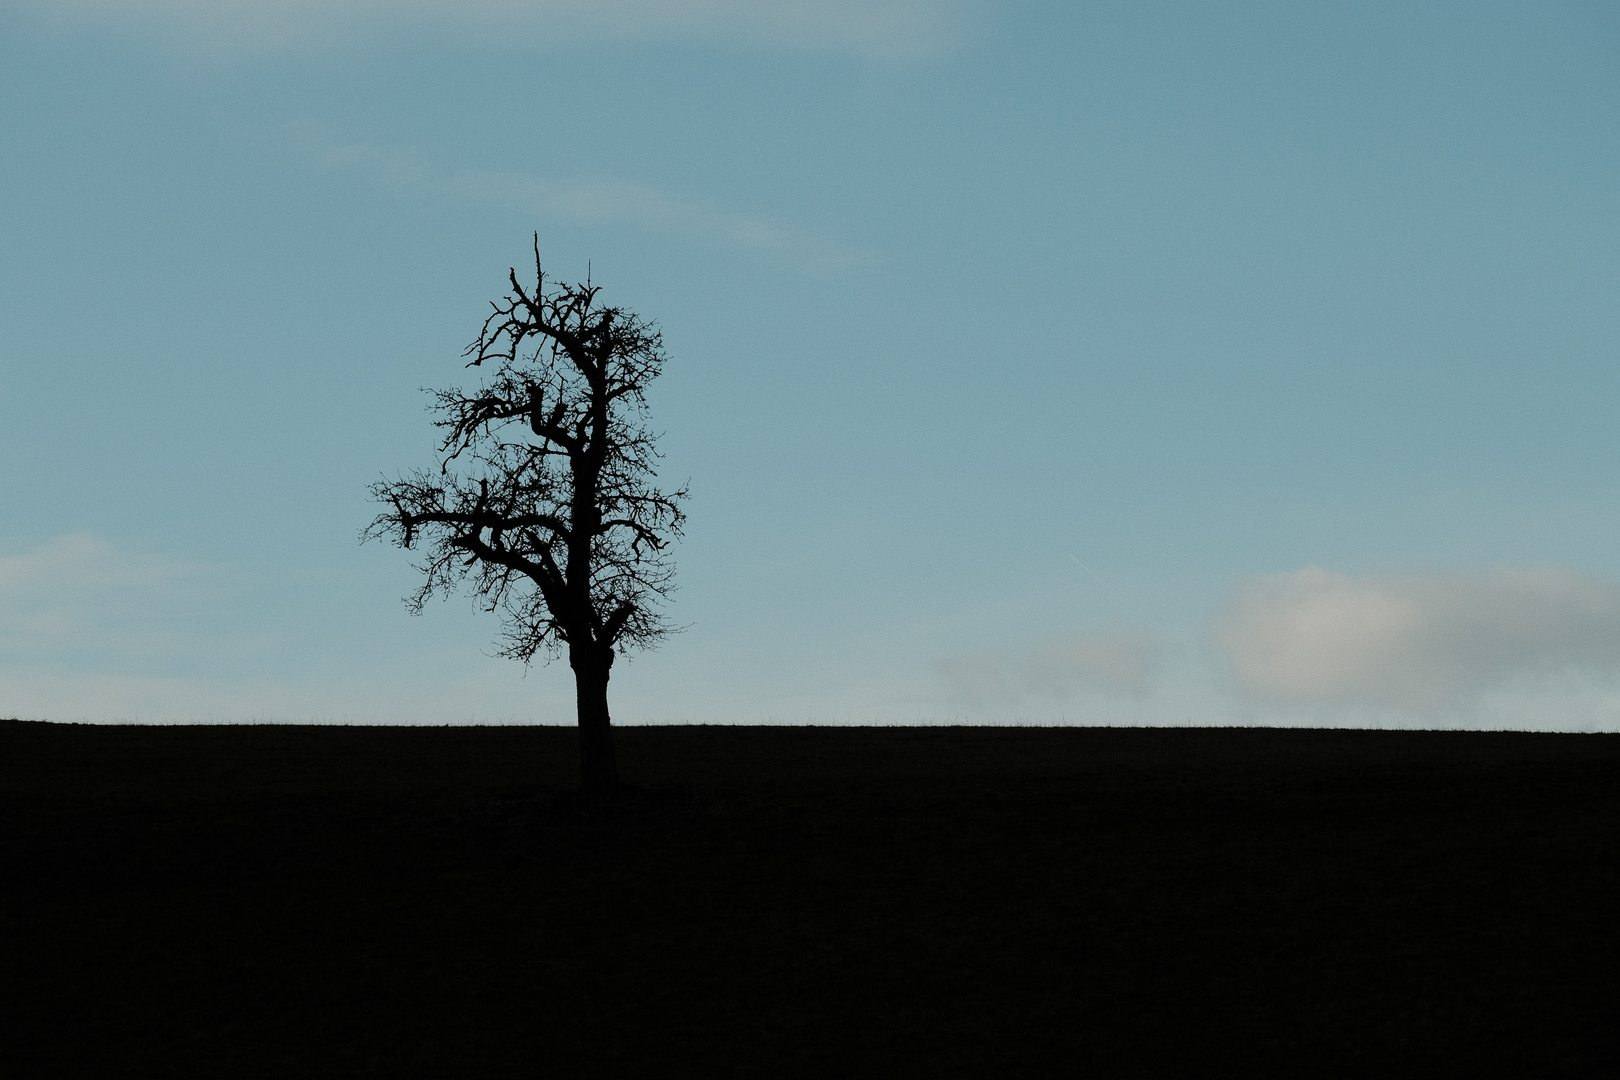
x=1100 y=363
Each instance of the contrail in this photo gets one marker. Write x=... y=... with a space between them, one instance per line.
x=1099 y=578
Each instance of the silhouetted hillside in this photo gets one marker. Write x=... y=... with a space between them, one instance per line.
x=817 y=902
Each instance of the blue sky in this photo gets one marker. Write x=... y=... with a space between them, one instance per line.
x=1148 y=363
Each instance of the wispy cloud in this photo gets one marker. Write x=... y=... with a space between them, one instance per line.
x=1050 y=673
x=1419 y=643
x=880 y=29
x=399 y=696
x=80 y=594
x=91 y=631
x=80 y=562
x=577 y=200
x=603 y=200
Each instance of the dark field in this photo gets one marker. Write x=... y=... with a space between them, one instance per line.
x=827 y=902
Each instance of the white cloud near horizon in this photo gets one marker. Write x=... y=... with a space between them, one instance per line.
x=575 y=200
x=1051 y=672
x=1420 y=643
x=876 y=29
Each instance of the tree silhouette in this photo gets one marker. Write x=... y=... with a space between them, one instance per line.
x=544 y=501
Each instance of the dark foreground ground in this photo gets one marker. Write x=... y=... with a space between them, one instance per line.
x=321 y=901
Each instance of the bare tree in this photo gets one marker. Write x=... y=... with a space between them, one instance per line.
x=544 y=501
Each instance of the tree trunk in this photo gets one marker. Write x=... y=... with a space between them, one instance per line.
x=599 y=765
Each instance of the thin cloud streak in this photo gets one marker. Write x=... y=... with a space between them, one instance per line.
x=577 y=200
x=874 y=29
x=603 y=200
x=44 y=692
x=80 y=595
x=81 y=562
x=1052 y=672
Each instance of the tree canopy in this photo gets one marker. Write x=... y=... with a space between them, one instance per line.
x=545 y=503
